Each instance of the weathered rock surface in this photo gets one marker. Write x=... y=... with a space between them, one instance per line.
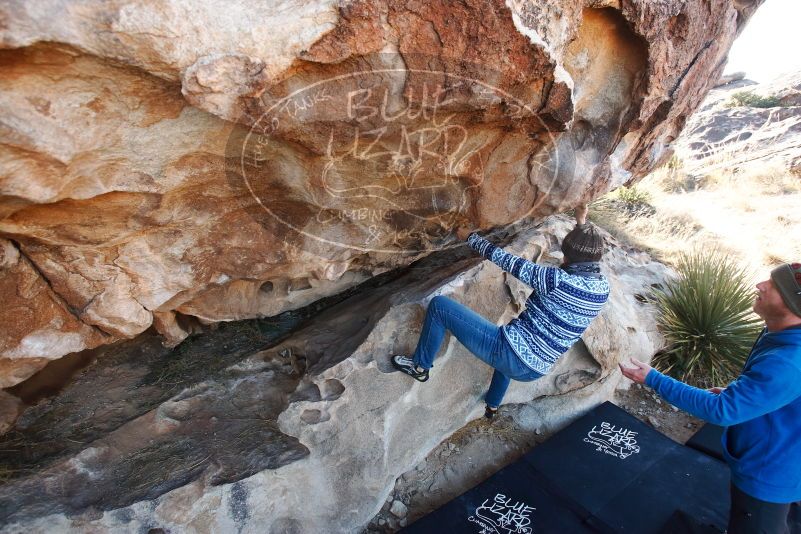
x=726 y=79
x=721 y=137
x=37 y=324
x=309 y=434
x=144 y=180
x=10 y=407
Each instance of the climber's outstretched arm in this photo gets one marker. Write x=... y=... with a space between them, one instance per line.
x=541 y=278
x=581 y=213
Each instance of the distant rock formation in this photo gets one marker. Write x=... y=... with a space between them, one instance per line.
x=726 y=79
x=722 y=136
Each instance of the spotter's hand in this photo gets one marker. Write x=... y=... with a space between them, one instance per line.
x=716 y=390
x=638 y=372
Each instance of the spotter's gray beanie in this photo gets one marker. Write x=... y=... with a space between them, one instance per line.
x=787 y=279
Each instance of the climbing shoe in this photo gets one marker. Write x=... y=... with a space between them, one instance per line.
x=407 y=365
x=489 y=412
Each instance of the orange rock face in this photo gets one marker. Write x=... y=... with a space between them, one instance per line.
x=171 y=165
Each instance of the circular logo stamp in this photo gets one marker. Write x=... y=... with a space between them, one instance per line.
x=381 y=156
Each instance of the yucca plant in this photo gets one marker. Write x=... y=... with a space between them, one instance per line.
x=705 y=314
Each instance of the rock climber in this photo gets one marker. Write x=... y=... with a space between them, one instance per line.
x=760 y=410
x=564 y=302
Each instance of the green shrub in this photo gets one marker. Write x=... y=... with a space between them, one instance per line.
x=753 y=100
x=633 y=196
x=706 y=316
x=675 y=163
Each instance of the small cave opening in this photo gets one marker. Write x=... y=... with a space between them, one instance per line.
x=266 y=287
x=300 y=284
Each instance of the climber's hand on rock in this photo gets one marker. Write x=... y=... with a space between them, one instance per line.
x=716 y=390
x=581 y=213
x=638 y=372
x=462 y=232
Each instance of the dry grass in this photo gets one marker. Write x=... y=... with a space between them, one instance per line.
x=750 y=212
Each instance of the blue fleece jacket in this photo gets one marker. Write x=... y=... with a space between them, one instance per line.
x=762 y=412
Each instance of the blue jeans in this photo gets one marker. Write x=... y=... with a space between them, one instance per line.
x=481 y=337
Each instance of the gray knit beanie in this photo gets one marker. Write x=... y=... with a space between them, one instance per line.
x=787 y=279
x=584 y=243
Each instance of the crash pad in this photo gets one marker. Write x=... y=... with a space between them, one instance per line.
x=606 y=472
x=707 y=441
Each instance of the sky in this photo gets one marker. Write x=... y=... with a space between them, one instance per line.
x=770 y=44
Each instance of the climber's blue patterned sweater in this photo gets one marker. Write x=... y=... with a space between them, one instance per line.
x=557 y=312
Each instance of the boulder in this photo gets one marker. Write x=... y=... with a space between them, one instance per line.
x=185 y=163
x=726 y=79
x=722 y=136
x=310 y=433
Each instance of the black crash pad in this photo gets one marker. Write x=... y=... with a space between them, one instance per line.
x=683 y=479
x=606 y=472
x=681 y=523
x=510 y=501
x=630 y=477
x=707 y=441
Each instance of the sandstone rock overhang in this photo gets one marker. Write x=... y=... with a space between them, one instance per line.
x=142 y=183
